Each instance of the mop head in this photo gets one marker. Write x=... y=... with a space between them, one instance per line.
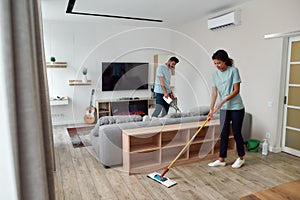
x=164 y=180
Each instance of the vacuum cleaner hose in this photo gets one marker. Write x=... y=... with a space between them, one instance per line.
x=171 y=103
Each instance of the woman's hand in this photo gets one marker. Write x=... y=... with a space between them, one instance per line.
x=217 y=107
x=211 y=113
x=220 y=104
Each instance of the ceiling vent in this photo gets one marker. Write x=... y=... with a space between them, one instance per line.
x=225 y=20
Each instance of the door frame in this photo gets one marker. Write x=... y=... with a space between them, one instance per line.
x=285 y=84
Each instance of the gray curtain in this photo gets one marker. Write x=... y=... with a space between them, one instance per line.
x=27 y=98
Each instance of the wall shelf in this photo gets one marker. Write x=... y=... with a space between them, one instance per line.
x=59 y=101
x=56 y=65
x=79 y=82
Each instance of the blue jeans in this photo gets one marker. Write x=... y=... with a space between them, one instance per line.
x=161 y=106
x=237 y=117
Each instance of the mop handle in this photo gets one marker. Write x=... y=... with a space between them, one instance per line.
x=186 y=146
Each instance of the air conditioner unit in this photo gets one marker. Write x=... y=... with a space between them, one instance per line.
x=225 y=20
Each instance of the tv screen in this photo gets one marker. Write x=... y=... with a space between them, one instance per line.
x=118 y=76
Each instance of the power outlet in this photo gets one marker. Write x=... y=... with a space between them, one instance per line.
x=268 y=135
x=270 y=104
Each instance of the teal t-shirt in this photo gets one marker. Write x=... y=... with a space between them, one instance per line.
x=164 y=71
x=224 y=82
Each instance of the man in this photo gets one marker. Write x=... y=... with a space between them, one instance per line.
x=162 y=87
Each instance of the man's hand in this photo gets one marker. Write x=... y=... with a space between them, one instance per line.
x=172 y=96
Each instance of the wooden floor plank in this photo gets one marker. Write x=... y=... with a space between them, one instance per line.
x=285 y=191
x=86 y=187
x=68 y=175
x=102 y=185
x=191 y=184
x=59 y=193
x=156 y=190
x=137 y=189
x=120 y=189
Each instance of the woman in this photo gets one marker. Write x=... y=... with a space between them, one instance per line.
x=226 y=83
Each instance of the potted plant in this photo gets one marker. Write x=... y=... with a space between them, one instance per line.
x=52 y=59
x=84 y=72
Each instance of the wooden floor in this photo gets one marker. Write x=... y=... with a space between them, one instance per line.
x=284 y=191
x=79 y=175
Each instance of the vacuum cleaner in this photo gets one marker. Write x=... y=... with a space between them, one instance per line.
x=172 y=103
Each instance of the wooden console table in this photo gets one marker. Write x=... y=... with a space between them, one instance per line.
x=152 y=148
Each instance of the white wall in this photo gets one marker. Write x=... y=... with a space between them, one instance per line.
x=87 y=45
x=258 y=60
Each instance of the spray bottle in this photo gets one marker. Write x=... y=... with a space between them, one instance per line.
x=171 y=102
x=265 y=147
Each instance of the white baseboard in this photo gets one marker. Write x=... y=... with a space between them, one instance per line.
x=275 y=149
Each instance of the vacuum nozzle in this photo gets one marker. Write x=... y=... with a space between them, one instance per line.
x=171 y=102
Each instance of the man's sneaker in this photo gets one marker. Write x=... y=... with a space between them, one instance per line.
x=238 y=163
x=217 y=163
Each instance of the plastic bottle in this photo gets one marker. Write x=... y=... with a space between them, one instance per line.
x=265 y=147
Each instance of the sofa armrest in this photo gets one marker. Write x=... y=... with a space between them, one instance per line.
x=246 y=127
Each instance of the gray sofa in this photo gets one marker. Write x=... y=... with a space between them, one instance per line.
x=106 y=137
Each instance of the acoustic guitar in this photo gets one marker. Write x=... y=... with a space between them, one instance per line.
x=90 y=116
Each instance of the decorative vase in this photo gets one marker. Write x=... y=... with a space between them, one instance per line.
x=84 y=79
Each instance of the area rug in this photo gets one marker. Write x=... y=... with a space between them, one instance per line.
x=80 y=136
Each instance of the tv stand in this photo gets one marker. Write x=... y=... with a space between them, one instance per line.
x=125 y=106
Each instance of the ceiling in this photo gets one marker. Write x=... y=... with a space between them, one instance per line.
x=139 y=12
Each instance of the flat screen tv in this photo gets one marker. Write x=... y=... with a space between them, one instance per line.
x=118 y=76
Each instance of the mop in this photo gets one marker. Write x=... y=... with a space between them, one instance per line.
x=160 y=177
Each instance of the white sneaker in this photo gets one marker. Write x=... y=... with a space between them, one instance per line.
x=217 y=163
x=238 y=163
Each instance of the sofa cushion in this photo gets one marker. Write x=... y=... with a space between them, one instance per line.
x=102 y=121
x=105 y=120
x=125 y=119
x=172 y=121
x=118 y=119
x=177 y=115
x=193 y=119
x=200 y=110
x=123 y=126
